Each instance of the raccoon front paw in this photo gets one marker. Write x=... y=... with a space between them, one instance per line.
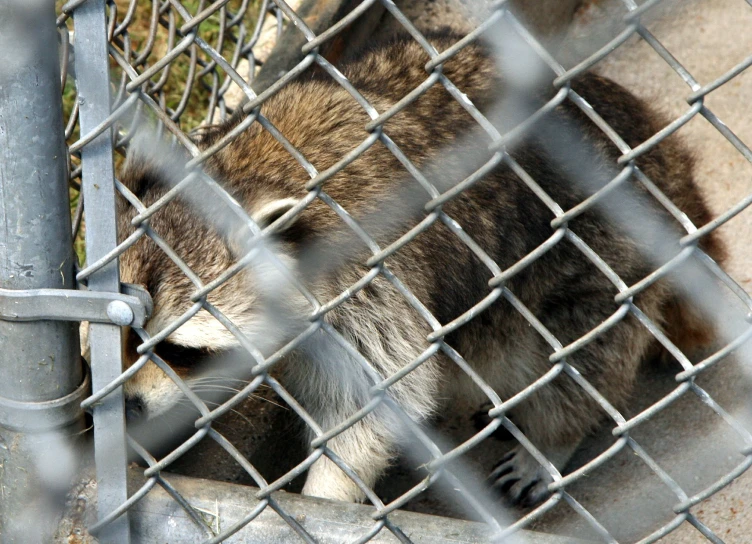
x=520 y=478
x=481 y=420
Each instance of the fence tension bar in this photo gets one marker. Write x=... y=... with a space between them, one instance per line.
x=98 y=182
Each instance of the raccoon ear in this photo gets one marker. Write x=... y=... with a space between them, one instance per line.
x=291 y=230
x=151 y=162
x=139 y=174
x=268 y=213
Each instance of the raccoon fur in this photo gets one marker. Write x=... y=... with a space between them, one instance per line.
x=501 y=214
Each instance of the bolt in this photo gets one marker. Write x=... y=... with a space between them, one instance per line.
x=120 y=313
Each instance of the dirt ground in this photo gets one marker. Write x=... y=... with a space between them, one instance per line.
x=708 y=37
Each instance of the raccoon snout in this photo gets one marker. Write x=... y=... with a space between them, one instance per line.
x=135 y=409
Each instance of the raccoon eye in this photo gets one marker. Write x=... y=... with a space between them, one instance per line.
x=181 y=356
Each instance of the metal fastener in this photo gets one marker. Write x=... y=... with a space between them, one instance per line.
x=120 y=313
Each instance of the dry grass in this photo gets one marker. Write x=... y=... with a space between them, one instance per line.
x=170 y=93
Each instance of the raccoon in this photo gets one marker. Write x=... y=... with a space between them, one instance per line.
x=443 y=266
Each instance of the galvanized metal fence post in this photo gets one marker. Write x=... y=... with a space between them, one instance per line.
x=40 y=363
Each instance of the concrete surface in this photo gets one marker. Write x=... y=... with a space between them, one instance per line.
x=708 y=37
x=687 y=439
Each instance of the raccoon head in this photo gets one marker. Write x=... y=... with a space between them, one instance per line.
x=206 y=246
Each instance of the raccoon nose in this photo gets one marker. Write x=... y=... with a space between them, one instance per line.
x=134 y=408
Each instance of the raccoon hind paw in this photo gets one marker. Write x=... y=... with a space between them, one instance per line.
x=520 y=479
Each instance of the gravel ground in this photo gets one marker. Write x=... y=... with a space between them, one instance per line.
x=708 y=37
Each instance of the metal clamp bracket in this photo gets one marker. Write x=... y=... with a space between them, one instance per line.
x=44 y=416
x=132 y=307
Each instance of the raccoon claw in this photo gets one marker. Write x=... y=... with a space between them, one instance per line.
x=520 y=478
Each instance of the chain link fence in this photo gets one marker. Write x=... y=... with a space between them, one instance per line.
x=175 y=71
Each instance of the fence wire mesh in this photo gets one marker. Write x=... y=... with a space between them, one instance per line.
x=185 y=66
